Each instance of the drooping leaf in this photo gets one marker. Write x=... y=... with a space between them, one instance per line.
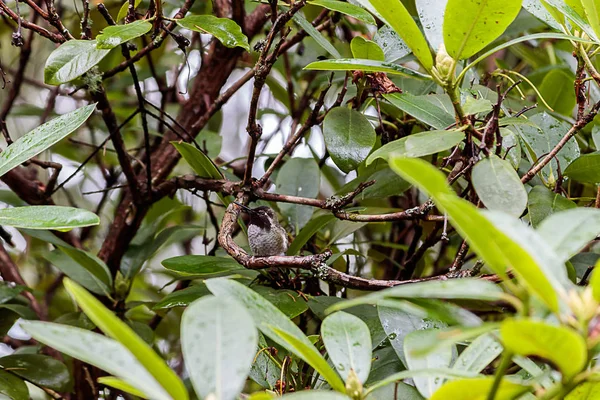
x=498 y=186
x=349 y=137
x=431 y=15
x=38 y=369
x=542 y=203
x=348 y=343
x=71 y=60
x=478 y=388
x=82 y=268
x=470 y=25
x=563 y=346
x=316 y=35
x=422 y=109
x=392 y=45
x=47 y=217
x=308 y=231
x=111 y=325
x=366 y=49
x=43 y=137
x=355 y=64
x=577 y=17
x=224 y=29
x=218 y=340
x=114 y=35
x=540 y=10
x=418 y=145
x=396 y=16
x=200 y=162
x=585 y=169
x=345 y=8
x=98 y=350
x=305 y=184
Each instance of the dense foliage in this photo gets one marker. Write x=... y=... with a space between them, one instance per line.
x=435 y=165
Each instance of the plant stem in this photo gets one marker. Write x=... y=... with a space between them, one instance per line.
x=505 y=361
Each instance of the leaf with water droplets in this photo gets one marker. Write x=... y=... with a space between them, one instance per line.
x=43 y=137
x=114 y=35
x=38 y=369
x=71 y=60
x=224 y=29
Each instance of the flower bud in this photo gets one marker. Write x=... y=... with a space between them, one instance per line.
x=444 y=63
x=354 y=387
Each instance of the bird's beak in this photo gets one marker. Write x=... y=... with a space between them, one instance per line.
x=244 y=208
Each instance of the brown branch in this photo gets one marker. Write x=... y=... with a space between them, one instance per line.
x=55 y=37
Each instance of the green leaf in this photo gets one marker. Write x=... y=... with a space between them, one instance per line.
x=431 y=15
x=542 y=203
x=441 y=358
x=585 y=391
x=479 y=354
x=348 y=343
x=12 y=387
x=312 y=357
x=98 y=350
x=585 y=169
x=498 y=186
x=592 y=11
x=574 y=16
x=392 y=45
x=201 y=265
x=355 y=64
x=470 y=25
x=453 y=289
x=431 y=372
x=71 y=60
x=182 y=298
x=224 y=29
x=219 y=362
x=308 y=231
x=118 y=384
x=200 y=162
x=345 y=8
x=569 y=231
x=306 y=184
x=38 y=369
x=366 y=49
x=288 y=302
x=43 y=137
x=83 y=268
x=315 y=395
x=47 y=217
x=349 y=137
x=422 y=109
x=418 y=145
x=396 y=16
x=125 y=9
x=474 y=106
x=111 y=325
x=478 y=388
x=557 y=90
x=564 y=347
x=268 y=318
x=476 y=229
x=540 y=10
x=595 y=281
x=316 y=35
x=114 y=35
x=8 y=291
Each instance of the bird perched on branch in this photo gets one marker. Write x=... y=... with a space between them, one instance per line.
x=265 y=235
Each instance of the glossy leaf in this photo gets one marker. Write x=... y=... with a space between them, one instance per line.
x=476 y=228
x=479 y=354
x=355 y=64
x=573 y=16
x=201 y=265
x=98 y=350
x=470 y=25
x=114 y=35
x=305 y=184
x=345 y=8
x=9 y=290
x=224 y=30
x=418 y=145
x=437 y=372
x=540 y=10
x=440 y=358
x=43 y=137
x=111 y=325
x=478 y=389
x=47 y=217
x=556 y=89
x=308 y=231
x=12 y=387
x=268 y=318
x=38 y=369
x=585 y=391
x=349 y=137
x=498 y=186
x=71 y=60
x=563 y=346
x=422 y=109
x=592 y=12
x=119 y=384
x=542 y=203
x=218 y=340
x=395 y=15
x=200 y=162
x=366 y=49
x=288 y=302
x=315 y=395
x=182 y=298
x=585 y=169
x=348 y=343
x=316 y=35
x=125 y=9
x=569 y=231
x=431 y=15
x=83 y=269
x=392 y=45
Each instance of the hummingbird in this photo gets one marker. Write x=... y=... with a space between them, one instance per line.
x=265 y=235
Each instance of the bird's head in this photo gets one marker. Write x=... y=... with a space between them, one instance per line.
x=263 y=217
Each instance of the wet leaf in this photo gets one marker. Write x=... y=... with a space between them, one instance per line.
x=71 y=60
x=224 y=29
x=114 y=35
